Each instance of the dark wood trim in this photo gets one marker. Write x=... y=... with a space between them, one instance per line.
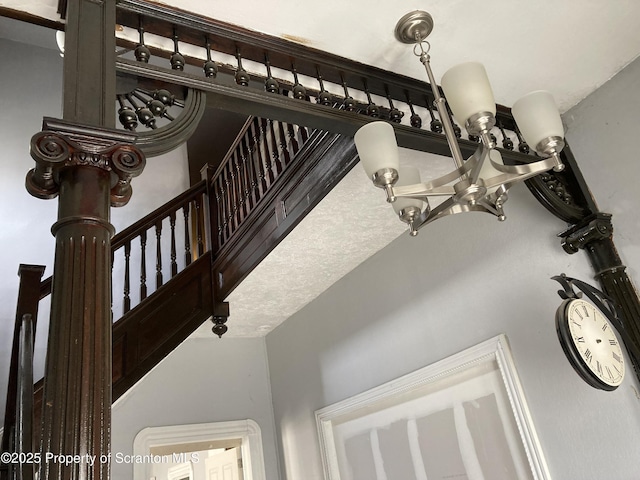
x=323 y=161
x=29 y=18
x=191 y=28
x=166 y=138
x=551 y=190
x=292 y=111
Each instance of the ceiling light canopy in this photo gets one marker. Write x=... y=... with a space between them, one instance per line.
x=479 y=183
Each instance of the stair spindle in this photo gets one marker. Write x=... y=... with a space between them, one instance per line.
x=293 y=138
x=187 y=237
x=228 y=218
x=158 y=227
x=234 y=191
x=273 y=142
x=172 y=223
x=243 y=190
x=127 y=285
x=143 y=265
x=199 y=226
x=284 y=150
x=262 y=151
x=246 y=185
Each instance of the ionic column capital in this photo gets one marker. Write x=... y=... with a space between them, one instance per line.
x=63 y=144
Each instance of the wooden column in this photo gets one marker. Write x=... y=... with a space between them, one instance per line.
x=567 y=196
x=89 y=166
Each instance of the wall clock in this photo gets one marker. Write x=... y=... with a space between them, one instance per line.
x=587 y=332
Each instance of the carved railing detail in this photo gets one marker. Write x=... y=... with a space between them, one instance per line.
x=273 y=78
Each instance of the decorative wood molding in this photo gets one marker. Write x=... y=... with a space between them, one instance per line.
x=168 y=137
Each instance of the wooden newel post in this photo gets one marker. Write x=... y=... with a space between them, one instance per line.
x=89 y=165
x=90 y=168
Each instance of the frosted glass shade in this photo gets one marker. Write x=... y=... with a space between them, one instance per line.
x=468 y=91
x=537 y=117
x=377 y=147
x=407 y=176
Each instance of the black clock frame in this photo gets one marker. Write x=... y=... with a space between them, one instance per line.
x=571 y=351
x=606 y=306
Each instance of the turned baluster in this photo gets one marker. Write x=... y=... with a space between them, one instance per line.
x=436 y=124
x=176 y=60
x=158 y=254
x=233 y=187
x=143 y=265
x=284 y=150
x=293 y=138
x=187 y=237
x=254 y=184
x=172 y=223
x=259 y=175
x=242 y=190
x=415 y=119
x=262 y=151
x=228 y=200
x=246 y=178
x=199 y=225
x=275 y=155
x=127 y=286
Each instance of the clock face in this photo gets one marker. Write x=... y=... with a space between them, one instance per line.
x=593 y=340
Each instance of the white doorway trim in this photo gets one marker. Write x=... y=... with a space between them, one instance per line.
x=248 y=431
x=179 y=472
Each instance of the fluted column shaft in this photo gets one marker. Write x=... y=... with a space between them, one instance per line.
x=77 y=395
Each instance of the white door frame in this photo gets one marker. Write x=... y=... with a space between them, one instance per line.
x=248 y=431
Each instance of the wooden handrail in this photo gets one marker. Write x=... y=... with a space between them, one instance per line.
x=148 y=221
x=23 y=433
x=28 y=298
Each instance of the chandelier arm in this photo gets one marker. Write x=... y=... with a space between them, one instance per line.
x=452 y=208
x=438 y=212
x=518 y=173
x=495 y=210
x=480 y=156
x=454 y=175
x=420 y=190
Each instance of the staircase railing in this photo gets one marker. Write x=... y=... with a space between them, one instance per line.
x=262 y=151
x=184 y=218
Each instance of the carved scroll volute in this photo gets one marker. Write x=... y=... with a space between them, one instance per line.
x=50 y=151
x=126 y=162
x=62 y=145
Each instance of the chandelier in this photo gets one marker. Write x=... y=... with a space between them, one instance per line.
x=479 y=183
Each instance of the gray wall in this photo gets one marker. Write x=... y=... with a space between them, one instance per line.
x=202 y=381
x=30 y=88
x=461 y=281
